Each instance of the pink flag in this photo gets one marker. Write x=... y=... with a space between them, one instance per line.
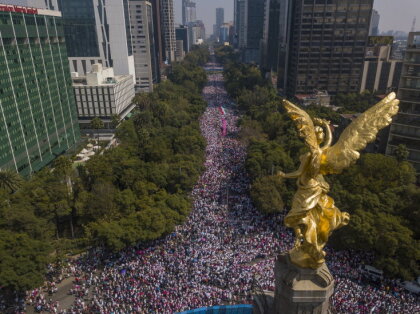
x=222 y=110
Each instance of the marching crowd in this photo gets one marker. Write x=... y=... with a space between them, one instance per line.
x=221 y=254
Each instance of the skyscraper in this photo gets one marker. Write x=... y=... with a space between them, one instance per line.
x=98 y=32
x=374 y=23
x=188 y=11
x=327 y=46
x=168 y=30
x=143 y=42
x=269 y=44
x=196 y=33
x=254 y=29
x=182 y=34
x=157 y=27
x=282 y=66
x=240 y=23
x=38 y=119
x=405 y=127
x=220 y=19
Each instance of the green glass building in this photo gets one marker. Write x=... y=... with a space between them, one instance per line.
x=38 y=115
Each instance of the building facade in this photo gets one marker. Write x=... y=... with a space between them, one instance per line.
x=39 y=4
x=168 y=30
x=224 y=33
x=327 y=45
x=143 y=43
x=240 y=23
x=381 y=74
x=196 y=33
x=181 y=33
x=157 y=29
x=188 y=11
x=179 y=53
x=220 y=19
x=38 y=119
x=374 y=23
x=98 y=31
x=102 y=94
x=254 y=14
x=405 y=127
x=269 y=44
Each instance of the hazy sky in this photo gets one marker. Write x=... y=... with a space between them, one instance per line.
x=395 y=14
x=398 y=14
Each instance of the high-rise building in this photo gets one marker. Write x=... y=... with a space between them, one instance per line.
x=381 y=73
x=157 y=28
x=188 y=11
x=98 y=32
x=327 y=46
x=143 y=43
x=224 y=33
x=285 y=16
x=40 y=4
x=168 y=30
x=405 y=127
x=102 y=94
x=220 y=19
x=240 y=23
x=269 y=44
x=38 y=119
x=196 y=33
x=254 y=30
x=179 y=53
x=181 y=33
x=374 y=23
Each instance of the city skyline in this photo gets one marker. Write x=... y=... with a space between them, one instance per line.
x=395 y=15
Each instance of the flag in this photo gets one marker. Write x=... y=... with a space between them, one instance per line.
x=222 y=110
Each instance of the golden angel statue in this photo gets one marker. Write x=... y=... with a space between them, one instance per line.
x=313 y=215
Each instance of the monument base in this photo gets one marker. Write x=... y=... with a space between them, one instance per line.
x=298 y=290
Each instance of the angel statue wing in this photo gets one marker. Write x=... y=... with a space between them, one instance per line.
x=304 y=124
x=358 y=134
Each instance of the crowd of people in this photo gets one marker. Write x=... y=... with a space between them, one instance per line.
x=222 y=254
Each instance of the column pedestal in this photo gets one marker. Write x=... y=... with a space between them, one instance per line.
x=298 y=290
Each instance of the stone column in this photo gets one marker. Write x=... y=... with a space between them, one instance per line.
x=301 y=290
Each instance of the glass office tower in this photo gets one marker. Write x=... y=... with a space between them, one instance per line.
x=38 y=119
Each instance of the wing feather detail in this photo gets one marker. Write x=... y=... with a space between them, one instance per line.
x=304 y=124
x=358 y=134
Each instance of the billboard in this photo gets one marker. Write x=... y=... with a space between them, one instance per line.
x=380 y=40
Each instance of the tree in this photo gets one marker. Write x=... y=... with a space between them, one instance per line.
x=266 y=194
x=401 y=152
x=97 y=124
x=10 y=180
x=115 y=121
x=23 y=262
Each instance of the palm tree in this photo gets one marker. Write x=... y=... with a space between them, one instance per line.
x=10 y=180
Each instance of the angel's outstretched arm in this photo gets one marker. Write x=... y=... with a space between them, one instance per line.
x=294 y=174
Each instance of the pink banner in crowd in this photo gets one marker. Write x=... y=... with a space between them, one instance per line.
x=224 y=127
